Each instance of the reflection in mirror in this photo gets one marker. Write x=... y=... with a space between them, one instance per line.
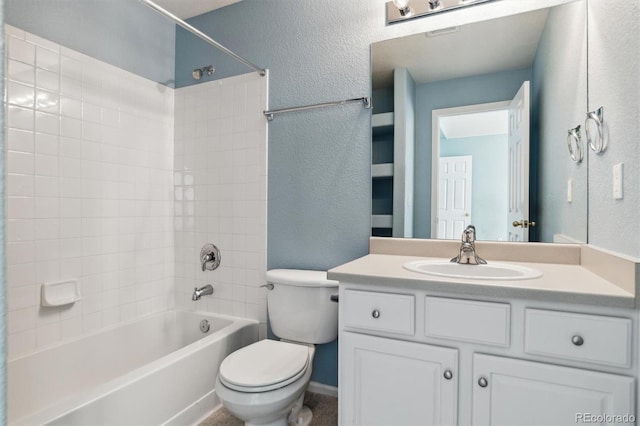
x=453 y=142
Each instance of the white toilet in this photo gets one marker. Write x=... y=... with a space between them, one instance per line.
x=264 y=383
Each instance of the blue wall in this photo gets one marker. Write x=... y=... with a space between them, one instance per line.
x=489 y=201
x=447 y=94
x=124 y=33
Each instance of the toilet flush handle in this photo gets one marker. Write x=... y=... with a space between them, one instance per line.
x=269 y=286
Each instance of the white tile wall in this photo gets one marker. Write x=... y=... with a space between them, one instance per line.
x=220 y=193
x=89 y=191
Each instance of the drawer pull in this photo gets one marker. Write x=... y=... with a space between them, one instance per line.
x=482 y=382
x=375 y=313
x=577 y=340
x=448 y=374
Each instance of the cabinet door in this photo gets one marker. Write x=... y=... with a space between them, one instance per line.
x=391 y=382
x=515 y=392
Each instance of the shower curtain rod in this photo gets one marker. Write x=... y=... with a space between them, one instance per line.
x=366 y=101
x=193 y=30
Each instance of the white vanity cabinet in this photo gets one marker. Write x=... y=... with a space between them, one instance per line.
x=409 y=356
x=393 y=382
x=510 y=391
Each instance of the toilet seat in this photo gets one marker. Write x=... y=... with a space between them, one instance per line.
x=263 y=366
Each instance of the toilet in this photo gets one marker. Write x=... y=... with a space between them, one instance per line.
x=264 y=383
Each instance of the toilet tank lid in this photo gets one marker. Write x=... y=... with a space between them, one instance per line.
x=300 y=278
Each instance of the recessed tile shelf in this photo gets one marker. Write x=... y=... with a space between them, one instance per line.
x=382 y=170
x=381 y=221
x=382 y=120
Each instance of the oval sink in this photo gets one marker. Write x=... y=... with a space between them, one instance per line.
x=492 y=271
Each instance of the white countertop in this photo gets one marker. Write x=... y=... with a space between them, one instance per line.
x=559 y=282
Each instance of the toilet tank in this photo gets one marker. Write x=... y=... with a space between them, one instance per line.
x=300 y=307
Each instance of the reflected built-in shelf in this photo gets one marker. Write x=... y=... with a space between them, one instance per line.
x=382 y=170
x=382 y=120
x=382 y=123
x=382 y=221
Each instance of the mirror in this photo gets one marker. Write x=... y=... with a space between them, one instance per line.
x=446 y=101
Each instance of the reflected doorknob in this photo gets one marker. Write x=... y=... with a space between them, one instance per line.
x=524 y=223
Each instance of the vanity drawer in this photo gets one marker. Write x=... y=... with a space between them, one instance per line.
x=581 y=337
x=388 y=312
x=467 y=320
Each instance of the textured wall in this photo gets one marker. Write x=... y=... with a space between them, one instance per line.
x=124 y=33
x=559 y=97
x=614 y=82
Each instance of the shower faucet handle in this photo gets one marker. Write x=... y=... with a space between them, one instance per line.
x=210 y=257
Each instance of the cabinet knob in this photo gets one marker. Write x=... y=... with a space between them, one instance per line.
x=577 y=340
x=482 y=382
x=448 y=374
x=375 y=313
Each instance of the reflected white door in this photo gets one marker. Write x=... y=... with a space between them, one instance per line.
x=454 y=195
x=519 y=164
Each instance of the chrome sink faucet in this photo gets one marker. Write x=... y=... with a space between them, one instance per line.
x=468 y=249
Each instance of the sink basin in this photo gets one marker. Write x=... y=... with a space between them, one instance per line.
x=492 y=271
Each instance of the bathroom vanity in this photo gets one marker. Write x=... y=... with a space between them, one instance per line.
x=558 y=349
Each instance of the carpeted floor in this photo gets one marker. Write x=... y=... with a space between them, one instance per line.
x=324 y=408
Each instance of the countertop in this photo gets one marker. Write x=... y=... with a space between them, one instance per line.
x=559 y=282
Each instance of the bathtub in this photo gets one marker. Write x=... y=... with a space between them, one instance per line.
x=160 y=369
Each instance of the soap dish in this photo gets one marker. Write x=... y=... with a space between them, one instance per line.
x=60 y=293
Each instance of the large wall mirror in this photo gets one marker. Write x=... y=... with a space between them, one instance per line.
x=470 y=126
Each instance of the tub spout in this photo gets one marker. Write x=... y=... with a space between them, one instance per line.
x=202 y=291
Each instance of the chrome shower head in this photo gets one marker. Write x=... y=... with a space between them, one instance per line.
x=199 y=72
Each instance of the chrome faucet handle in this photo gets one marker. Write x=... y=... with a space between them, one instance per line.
x=210 y=257
x=469 y=234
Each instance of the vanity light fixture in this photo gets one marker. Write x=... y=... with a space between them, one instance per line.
x=401 y=10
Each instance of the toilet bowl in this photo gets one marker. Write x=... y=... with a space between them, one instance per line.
x=264 y=383
x=266 y=396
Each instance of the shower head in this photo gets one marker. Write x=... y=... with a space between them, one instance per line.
x=199 y=72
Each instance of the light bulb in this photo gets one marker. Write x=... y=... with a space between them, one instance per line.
x=403 y=6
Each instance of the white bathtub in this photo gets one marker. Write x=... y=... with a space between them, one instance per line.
x=160 y=369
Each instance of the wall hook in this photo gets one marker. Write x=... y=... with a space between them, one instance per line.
x=574 y=143
x=598 y=141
